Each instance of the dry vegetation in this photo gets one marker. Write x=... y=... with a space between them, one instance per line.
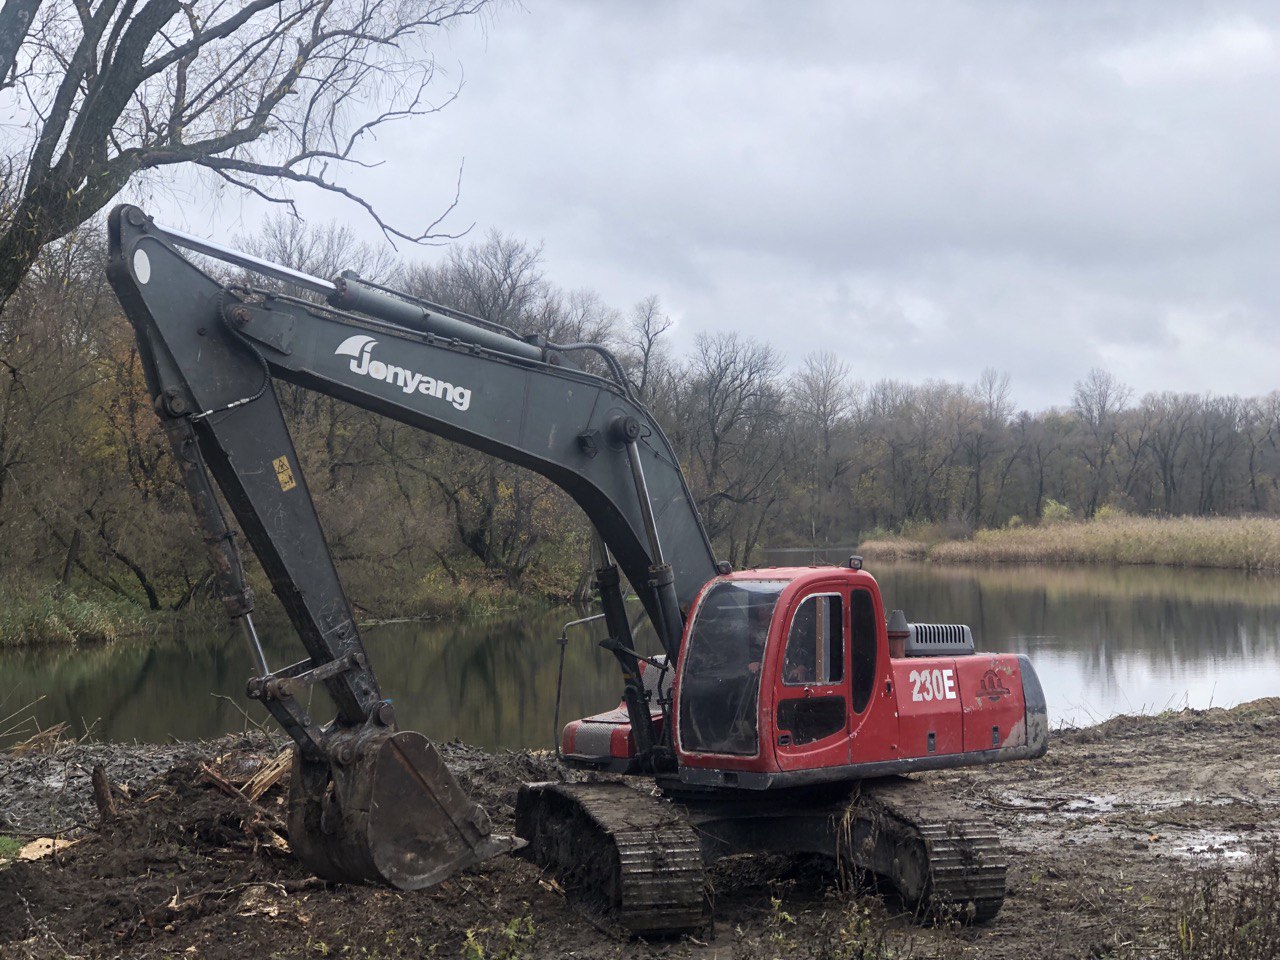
x=1225 y=917
x=39 y=614
x=1234 y=543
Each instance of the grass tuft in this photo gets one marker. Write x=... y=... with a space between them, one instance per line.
x=47 y=615
x=9 y=847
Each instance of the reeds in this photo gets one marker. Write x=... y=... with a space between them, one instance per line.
x=1236 y=543
x=890 y=549
x=48 y=615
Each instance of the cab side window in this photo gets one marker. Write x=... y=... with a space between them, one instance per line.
x=815 y=644
x=862 y=613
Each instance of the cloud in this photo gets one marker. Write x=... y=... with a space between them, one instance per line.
x=928 y=189
x=1236 y=49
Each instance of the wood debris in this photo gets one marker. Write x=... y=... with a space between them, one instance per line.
x=268 y=775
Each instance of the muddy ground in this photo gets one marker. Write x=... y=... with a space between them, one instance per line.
x=1108 y=833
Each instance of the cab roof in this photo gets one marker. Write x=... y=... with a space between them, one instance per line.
x=798 y=574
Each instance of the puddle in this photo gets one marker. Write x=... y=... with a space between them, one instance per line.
x=1104 y=803
x=1051 y=804
x=1098 y=803
x=1211 y=845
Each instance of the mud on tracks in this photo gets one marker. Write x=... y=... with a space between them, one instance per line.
x=1104 y=833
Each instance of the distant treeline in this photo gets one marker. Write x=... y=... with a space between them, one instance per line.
x=776 y=455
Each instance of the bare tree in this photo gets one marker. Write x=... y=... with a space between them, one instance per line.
x=499 y=279
x=262 y=93
x=15 y=20
x=940 y=417
x=1097 y=401
x=501 y=512
x=644 y=343
x=1040 y=441
x=1170 y=415
x=85 y=478
x=1216 y=437
x=576 y=316
x=823 y=401
x=730 y=433
x=320 y=249
x=1260 y=436
x=986 y=442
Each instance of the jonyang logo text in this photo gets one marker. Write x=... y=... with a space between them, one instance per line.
x=360 y=347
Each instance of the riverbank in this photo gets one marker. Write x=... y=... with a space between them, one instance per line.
x=1230 y=543
x=1114 y=839
x=42 y=614
x=46 y=614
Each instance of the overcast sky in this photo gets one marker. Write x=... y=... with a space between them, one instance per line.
x=927 y=188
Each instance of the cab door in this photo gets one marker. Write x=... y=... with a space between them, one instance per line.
x=811 y=700
x=873 y=722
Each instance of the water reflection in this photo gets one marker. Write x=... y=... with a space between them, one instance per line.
x=1113 y=640
x=1104 y=642
x=489 y=681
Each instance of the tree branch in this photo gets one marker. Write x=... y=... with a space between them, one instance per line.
x=16 y=17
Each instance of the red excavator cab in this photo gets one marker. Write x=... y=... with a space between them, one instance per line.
x=786 y=678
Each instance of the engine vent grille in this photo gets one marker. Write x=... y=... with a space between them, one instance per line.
x=939 y=640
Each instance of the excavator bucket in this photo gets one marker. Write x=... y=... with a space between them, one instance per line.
x=384 y=808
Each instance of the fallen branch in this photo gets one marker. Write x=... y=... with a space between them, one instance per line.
x=263 y=821
x=215 y=779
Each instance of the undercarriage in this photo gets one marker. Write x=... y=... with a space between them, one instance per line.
x=641 y=860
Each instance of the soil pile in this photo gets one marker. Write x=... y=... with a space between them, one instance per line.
x=1104 y=833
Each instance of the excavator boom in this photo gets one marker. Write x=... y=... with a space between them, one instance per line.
x=371 y=802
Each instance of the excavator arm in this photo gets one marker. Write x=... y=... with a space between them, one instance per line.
x=371 y=802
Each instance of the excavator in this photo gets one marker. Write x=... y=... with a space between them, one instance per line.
x=787 y=713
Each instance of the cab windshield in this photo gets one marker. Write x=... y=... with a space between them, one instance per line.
x=720 y=680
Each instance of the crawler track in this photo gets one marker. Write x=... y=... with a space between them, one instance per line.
x=630 y=855
x=940 y=858
x=638 y=860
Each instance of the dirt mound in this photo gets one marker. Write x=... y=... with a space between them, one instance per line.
x=189 y=866
x=1259 y=715
x=174 y=853
x=493 y=779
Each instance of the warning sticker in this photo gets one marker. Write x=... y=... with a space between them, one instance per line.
x=284 y=473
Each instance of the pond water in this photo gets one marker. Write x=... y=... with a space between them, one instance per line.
x=1104 y=641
